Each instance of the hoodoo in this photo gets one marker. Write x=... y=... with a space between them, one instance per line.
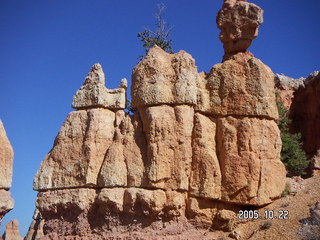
x=197 y=148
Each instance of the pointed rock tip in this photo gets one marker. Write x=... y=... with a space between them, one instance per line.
x=96 y=67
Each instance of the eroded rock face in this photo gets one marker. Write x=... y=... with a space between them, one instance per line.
x=6 y=159
x=93 y=92
x=163 y=78
x=238 y=21
x=184 y=164
x=286 y=86
x=78 y=152
x=241 y=85
x=6 y=164
x=197 y=149
x=6 y=203
x=249 y=152
x=305 y=114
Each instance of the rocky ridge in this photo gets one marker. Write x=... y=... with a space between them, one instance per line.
x=197 y=149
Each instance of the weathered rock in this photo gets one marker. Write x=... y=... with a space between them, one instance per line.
x=77 y=199
x=36 y=228
x=238 y=21
x=240 y=86
x=225 y=220
x=6 y=159
x=124 y=161
x=6 y=203
x=163 y=78
x=197 y=148
x=201 y=212
x=6 y=165
x=78 y=152
x=249 y=154
x=12 y=231
x=93 y=92
x=305 y=113
x=168 y=131
x=286 y=86
x=206 y=176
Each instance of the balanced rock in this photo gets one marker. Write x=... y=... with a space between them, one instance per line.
x=93 y=92
x=238 y=21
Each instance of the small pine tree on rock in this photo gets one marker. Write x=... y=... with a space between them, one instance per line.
x=158 y=37
x=292 y=154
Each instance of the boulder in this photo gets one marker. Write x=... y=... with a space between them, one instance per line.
x=239 y=22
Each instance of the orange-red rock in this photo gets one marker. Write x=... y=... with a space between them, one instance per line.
x=163 y=78
x=249 y=154
x=240 y=86
x=78 y=152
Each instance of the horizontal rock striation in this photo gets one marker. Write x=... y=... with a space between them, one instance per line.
x=177 y=162
x=197 y=148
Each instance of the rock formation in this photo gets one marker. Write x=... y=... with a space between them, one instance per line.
x=305 y=114
x=93 y=92
x=238 y=21
x=286 y=87
x=12 y=231
x=197 y=148
x=6 y=163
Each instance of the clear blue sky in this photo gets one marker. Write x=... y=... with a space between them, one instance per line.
x=47 y=48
